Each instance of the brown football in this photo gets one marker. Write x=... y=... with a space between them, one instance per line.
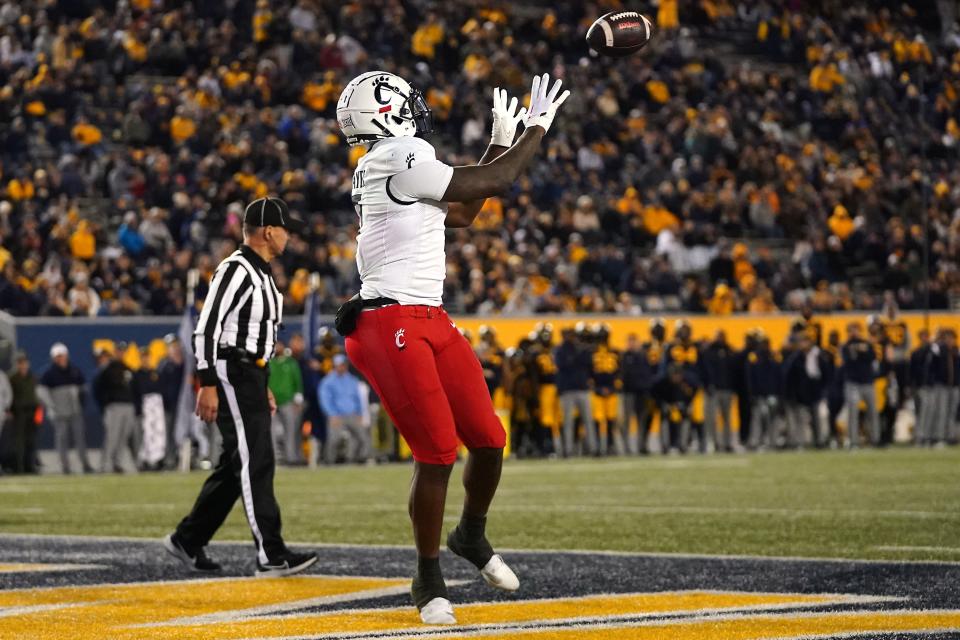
x=619 y=33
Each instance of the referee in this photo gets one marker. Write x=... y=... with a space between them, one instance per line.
x=234 y=339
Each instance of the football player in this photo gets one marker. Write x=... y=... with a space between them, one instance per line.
x=398 y=334
x=605 y=399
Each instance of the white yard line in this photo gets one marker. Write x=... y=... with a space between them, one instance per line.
x=36 y=567
x=540 y=551
x=278 y=610
x=917 y=548
x=613 y=622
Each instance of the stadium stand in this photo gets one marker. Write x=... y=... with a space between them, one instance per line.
x=755 y=157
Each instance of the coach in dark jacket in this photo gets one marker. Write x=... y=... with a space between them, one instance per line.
x=170 y=373
x=61 y=392
x=807 y=372
x=921 y=388
x=720 y=371
x=638 y=374
x=675 y=389
x=23 y=384
x=574 y=364
x=943 y=374
x=764 y=386
x=114 y=391
x=860 y=369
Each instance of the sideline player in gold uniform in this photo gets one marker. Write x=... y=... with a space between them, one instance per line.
x=654 y=349
x=547 y=371
x=605 y=398
x=683 y=351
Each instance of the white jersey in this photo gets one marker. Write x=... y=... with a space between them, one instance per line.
x=397 y=189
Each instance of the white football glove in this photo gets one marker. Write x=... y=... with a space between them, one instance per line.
x=505 y=118
x=544 y=105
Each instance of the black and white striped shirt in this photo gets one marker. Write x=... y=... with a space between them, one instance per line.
x=243 y=310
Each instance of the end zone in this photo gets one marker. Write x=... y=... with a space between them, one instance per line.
x=96 y=588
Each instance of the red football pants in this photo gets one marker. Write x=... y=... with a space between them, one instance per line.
x=428 y=379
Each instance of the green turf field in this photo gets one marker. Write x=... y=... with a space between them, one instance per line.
x=897 y=504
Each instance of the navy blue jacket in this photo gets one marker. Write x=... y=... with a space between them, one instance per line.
x=669 y=393
x=919 y=363
x=574 y=364
x=858 y=361
x=637 y=373
x=944 y=366
x=56 y=376
x=763 y=373
x=720 y=367
x=171 y=379
x=798 y=385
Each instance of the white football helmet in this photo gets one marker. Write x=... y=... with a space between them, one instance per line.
x=377 y=105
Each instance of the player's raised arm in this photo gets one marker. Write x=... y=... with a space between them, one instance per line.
x=486 y=180
x=506 y=117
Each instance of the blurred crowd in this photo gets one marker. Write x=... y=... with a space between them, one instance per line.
x=143 y=407
x=671 y=393
x=563 y=395
x=756 y=156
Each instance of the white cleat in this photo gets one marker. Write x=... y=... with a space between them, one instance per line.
x=438 y=611
x=499 y=575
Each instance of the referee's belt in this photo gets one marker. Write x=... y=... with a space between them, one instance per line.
x=233 y=354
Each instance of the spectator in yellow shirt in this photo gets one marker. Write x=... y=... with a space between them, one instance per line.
x=742 y=267
x=20 y=189
x=182 y=126
x=824 y=78
x=840 y=223
x=668 y=17
x=656 y=218
x=262 y=19
x=83 y=244
x=763 y=301
x=658 y=91
x=86 y=134
x=427 y=37
x=722 y=303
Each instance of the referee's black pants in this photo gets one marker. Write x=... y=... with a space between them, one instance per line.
x=246 y=466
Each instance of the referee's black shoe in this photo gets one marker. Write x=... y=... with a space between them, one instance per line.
x=197 y=561
x=287 y=564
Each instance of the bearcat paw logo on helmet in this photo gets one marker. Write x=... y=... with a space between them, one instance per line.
x=410 y=158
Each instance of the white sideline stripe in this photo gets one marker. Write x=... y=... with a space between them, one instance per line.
x=708 y=510
x=615 y=621
x=276 y=610
x=44 y=568
x=245 y=488
x=858 y=634
x=9 y=612
x=312 y=576
x=639 y=464
x=502 y=550
x=918 y=548
x=653 y=509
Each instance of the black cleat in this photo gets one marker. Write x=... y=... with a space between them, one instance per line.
x=477 y=551
x=198 y=561
x=424 y=589
x=286 y=565
x=492 y=568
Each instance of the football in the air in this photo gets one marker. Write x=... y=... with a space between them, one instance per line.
x=619 y=33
